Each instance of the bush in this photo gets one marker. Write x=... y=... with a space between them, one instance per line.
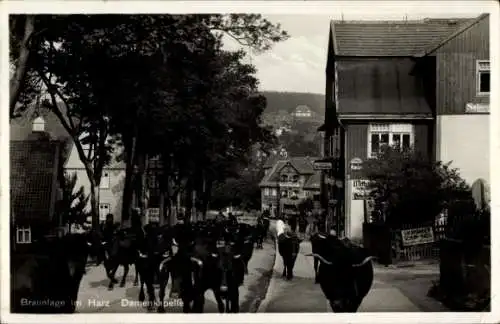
x=412 y=189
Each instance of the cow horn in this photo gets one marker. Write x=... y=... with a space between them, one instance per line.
x=320 y=257
x=142 y=255
x=88 y=243
x=103 y=243
x=198 y=261
x=237 y=256
x=214 y=255
x=367 y=259
x=174 y=242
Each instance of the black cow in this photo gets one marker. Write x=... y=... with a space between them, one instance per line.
x=231 y=268
x=48 y=279
x=154 y=263
x=204 y=275
x=122 y=250
x=345 y=273
x=244 y=243
x=317 y=244
x=185 y=275
x=206 y=262
x=288 y=248
x=261 y=229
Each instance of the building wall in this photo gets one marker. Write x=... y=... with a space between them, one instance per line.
x=357 y=142
x=456 y=69
x=356 y=146
x=112 y=196
x=464 y=140
x=463 y=137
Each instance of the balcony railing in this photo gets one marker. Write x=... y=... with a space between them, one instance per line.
x=289 y=184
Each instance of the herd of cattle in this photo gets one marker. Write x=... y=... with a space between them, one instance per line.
x=196 y=257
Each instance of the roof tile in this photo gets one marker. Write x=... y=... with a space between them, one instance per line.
x=304 y=166
x=390 y=38
x=32 y=166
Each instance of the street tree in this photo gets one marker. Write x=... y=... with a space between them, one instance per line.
x=412 y=189
x=72 y=207
x=66 y=56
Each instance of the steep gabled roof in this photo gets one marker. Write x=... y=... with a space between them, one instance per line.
x=463 y=28
x=313 y=182
x=21 y=127
x=304 y=166
x=33 y=175
x=390 y=38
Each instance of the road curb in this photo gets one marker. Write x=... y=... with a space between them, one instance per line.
x=272 y=283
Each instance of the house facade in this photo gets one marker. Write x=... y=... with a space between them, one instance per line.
x=35 y=164
x=110 y=193
x=461 y=64
x=381 y=90
x=288 y=181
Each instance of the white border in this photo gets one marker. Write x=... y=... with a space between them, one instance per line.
x=349 y=8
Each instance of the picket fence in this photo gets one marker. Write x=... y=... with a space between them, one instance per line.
x=424 y=251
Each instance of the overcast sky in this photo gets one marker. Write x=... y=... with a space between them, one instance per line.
x=298 y=64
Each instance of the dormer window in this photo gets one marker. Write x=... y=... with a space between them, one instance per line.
x=39 y=124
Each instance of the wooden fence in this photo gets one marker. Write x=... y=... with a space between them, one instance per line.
x=423 y=251
x=388 y=245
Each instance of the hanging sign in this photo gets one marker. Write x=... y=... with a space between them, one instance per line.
x=322 y=165
x=153 y=214
x=415 y=236
x=359 y=189
x=356 y=164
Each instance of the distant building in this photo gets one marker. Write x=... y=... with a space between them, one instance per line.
x=288 y=181
x=405 y=83
x=302 y=112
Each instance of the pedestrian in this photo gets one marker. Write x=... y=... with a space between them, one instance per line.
x=310 y=230
x=220 y=217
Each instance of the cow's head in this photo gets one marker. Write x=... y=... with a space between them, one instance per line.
x=229 y=268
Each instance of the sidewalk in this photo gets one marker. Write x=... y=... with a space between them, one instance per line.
x=300 y=295
x=393 y=290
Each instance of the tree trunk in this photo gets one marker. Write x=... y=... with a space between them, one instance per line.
x=94 y=203
x=207 y=191
x=188 y=199
x=128 y=188
x=178 y=207
x=17 y=80
x=162 y=208
x=193 y=206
